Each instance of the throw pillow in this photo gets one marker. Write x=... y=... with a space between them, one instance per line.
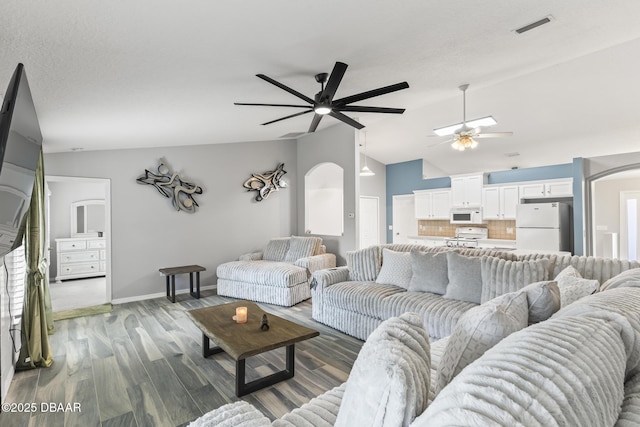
x=389 y=382
x=619 y=280
x=276 y=249
x=364 y=264
x=543 y=299
x=429 y=272
x=573 y=286
x=478 y=330
x=500 y=276
x=465 y=278
x=301 y=247
x=396 y=269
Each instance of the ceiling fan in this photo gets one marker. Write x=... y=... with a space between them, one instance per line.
x=323 y=103
x=465 y=132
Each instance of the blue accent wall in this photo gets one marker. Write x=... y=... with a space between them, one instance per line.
x=531 y=174
x=405 y=177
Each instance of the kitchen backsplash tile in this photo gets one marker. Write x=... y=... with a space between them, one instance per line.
x=503 y=230
x=432 y=227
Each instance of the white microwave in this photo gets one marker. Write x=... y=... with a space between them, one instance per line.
x=466 y=216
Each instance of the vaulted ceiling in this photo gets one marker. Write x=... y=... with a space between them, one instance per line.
x=116 y=74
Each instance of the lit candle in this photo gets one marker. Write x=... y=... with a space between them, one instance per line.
x=241 y=315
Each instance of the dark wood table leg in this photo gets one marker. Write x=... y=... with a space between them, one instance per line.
x=206 y=347
x=171 y=288
x=195 y=294
x=243 y=388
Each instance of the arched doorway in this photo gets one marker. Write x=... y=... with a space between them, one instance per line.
x=612 y=217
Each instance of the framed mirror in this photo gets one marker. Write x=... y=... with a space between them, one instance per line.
x=87 y=218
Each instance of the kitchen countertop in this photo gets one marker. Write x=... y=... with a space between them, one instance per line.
x=496 y=242
x=443 y=238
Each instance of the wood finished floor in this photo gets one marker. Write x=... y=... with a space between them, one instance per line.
x=142 y=365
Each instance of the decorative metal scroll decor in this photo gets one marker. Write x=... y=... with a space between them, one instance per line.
x=171 y=186
x=266 y=183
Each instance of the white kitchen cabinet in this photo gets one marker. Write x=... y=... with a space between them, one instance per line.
x=500 y=202
x=432 y=204
x=466 y=190
x=541 y=189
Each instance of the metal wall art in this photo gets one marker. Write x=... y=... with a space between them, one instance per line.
x=171 y=186
x=266 y=183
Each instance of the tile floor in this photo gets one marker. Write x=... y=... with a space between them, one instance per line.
x=78 y=293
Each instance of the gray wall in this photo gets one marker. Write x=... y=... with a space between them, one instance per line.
x=596 y=165
x=376 y=186
x=335 y=144
x=62 y=195
x=148 y=233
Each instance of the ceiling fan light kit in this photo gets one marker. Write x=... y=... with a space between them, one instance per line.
x=464 y=142
x=323 y=103
x=465 y=132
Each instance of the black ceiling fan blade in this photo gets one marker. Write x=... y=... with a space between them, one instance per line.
x=346 y=119
x=287 y=88
x=287 y=117
x=370 y=94
x=362 y=109
x=272 y=105
x=334 y=81
x=315 y=122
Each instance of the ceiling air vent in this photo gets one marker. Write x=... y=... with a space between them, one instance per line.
x=533 y=25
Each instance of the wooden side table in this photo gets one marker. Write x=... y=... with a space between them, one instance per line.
x=171 y=272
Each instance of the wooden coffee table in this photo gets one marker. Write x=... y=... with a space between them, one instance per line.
x=243 y=340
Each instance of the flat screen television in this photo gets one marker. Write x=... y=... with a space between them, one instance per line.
x=20 y=143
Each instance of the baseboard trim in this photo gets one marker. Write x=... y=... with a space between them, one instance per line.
x=157 y=295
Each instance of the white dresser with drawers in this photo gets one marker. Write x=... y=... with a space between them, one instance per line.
x=80 y=257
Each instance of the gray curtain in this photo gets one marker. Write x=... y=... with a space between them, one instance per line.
x=37 y=318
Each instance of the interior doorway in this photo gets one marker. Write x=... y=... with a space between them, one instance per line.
x=369 y=221
x=612 y=204
x=404 y=219
x=630 y=224
x=81 y=278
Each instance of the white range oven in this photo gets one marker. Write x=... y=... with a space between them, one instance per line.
x=467 y=237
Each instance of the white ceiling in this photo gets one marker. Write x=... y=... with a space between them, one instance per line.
x=121 y=74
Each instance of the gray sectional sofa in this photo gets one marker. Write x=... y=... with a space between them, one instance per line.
x=580 y=367
x=278 y=275
x=354 y=299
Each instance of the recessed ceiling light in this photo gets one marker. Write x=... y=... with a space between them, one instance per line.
x=450 y=130
x=514 y=154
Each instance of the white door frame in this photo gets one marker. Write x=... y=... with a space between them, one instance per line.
x=624 y=232
x=107 y=217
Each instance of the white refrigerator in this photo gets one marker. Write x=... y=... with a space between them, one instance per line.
x=543 y=226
